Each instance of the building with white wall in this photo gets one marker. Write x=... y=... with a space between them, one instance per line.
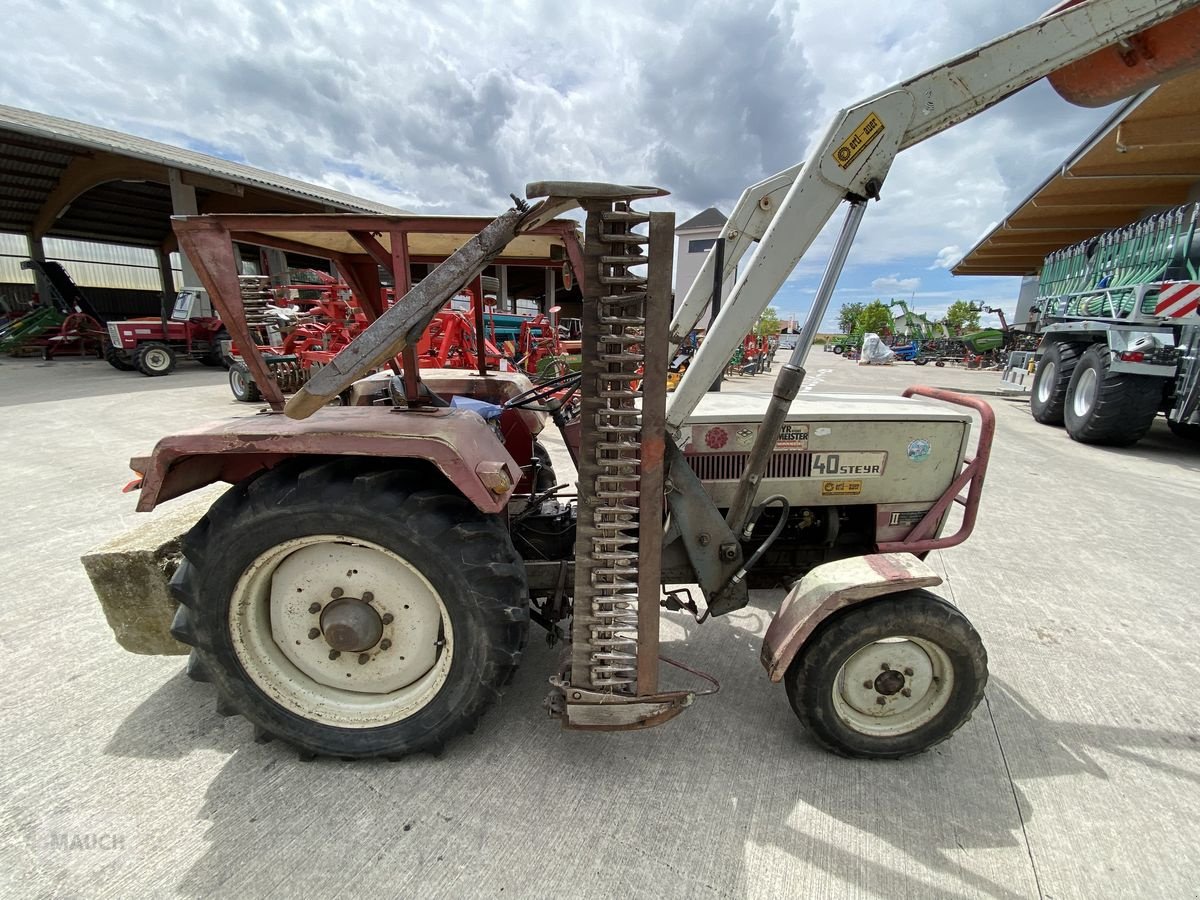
x=694 y=239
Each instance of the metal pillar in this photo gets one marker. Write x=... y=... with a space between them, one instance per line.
x=183 y=203
x=37 y=252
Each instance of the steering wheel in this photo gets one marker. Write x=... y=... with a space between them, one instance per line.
x=537 y=396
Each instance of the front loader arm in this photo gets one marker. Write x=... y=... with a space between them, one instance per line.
x=854 y=156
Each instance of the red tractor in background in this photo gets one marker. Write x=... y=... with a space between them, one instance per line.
x=153 y=346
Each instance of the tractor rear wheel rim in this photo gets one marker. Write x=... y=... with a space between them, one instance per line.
x=893 y=686
x=370 y=600
x=1084 y=397
x=1046 y=383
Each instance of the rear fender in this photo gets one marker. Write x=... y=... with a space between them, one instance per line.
x=455 y=441
x=832 y=587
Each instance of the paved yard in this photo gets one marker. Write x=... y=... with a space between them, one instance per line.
x=1078 y=777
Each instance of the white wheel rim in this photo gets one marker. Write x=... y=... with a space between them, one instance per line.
x=1084 y=397
x=893 y=686
x=156 y=359
x=237 y=381
x=271 y=619
x=1046 y=382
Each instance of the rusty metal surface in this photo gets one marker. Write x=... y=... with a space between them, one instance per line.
x=453 y=440
x=654 y=420
x=209 y=246
x=973 y=473
x=829 y=588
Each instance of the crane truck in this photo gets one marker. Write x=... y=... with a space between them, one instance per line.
x=365 y=586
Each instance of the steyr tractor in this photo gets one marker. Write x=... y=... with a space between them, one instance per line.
x=366 y=585
x=153 y=346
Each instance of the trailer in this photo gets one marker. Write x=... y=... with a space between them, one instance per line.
x=1119 y=316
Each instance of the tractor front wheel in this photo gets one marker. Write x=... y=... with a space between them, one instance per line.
x=154 y=358
x=118 y=359
x=890 y=677
x=351 y=608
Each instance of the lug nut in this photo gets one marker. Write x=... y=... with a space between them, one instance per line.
x=908 y=672
x=336 y=592
x=364 y=658
x=906 y=692
x=388 y=618
x=367 y=597
x=385 y=644
x=868 y=684
x=314 y=633
x=885 y=668
x=881 y=700
x=314 y=607
x=334 y=654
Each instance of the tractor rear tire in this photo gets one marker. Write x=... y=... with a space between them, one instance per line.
x=118 y=359
x=244 y=388
x=1115 y=409
x=1048 y=395
x=434 y=591
x=154 y=358
x=848 y=683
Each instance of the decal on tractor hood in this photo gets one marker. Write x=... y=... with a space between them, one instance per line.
x=862 y=464
x=840 y=488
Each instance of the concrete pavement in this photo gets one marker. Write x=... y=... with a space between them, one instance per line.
x=1076 y=778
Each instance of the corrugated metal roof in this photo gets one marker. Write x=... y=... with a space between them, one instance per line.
x=1145 y=157
x=79 y=134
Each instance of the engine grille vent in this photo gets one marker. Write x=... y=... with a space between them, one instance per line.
x=729 y=466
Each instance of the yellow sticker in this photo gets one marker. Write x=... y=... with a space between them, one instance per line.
x=840 y=488
x=858 y=141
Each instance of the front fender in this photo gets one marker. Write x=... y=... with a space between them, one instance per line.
x=456 y=441
x=832 y=587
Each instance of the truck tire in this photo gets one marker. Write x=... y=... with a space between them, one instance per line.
x=154 y=358
x=244 y=388
x=1111 y=408
x=118 y=359
x=913 y=641
x=351 y=608
x=1050 y=382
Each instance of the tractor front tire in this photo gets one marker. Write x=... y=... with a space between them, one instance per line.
x=351 y=608
x=1110 y=408
x=154 y=358
x=1048 y=395
x=839 y=349
x=888 y=678
x=242 y=385
x=118 y=359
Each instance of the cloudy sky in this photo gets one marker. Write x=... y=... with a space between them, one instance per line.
x=447 y=107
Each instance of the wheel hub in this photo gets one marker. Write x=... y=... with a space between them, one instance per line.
x=892 y=686
x=889 y=682
x=350 y=625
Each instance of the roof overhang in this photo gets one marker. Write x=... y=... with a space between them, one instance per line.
x=1144 y=158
